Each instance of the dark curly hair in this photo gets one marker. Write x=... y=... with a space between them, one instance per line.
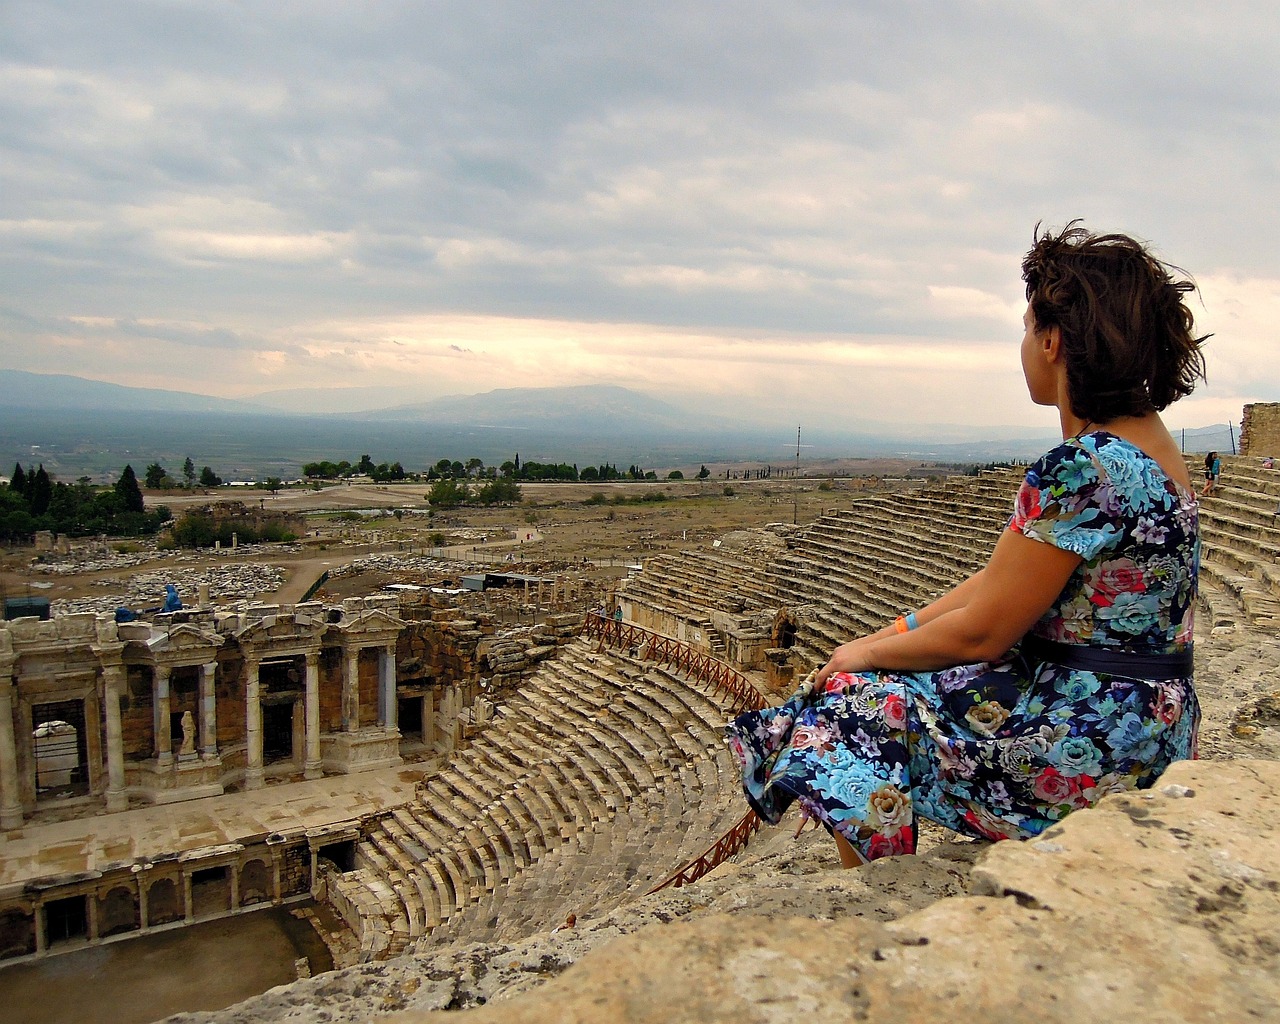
x=1128 y=337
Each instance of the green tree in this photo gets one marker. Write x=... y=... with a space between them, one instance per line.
x=41 y=492
x=189 y=472
x=19 y=481
x=366 y=465
x=155 y=476
x=129 y=491
x=703 y=473
x=273 y=484
x=448 y=493
x=208 y=478
x=499 y=492
x=675 y=474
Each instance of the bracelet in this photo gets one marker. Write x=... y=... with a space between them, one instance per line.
x=912 y=622
x=906 y=623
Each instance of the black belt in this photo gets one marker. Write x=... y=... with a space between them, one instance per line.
x=1113 y=661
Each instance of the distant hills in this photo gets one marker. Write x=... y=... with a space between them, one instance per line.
x=79 y=427
x=46 y=391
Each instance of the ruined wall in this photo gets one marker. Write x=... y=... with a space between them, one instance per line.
x=368 y=676
x=136 y=710
x=229 y=686
x=441 y=647
x=1260 y=431
x=330 y=689
x=514 y=655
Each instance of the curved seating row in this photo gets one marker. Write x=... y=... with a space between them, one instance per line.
x=600 y=771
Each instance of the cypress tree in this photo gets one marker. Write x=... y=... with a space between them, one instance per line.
x=19 y=481
x=129 y=491
x=41 y=492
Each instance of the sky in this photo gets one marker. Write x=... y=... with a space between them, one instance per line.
x=780 y=212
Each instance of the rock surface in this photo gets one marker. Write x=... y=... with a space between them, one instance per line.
x=1161 y=906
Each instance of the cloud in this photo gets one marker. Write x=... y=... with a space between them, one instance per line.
x=820 y=206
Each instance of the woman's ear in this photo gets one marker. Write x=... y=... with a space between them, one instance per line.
x=1052 y=343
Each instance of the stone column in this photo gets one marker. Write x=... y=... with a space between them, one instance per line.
x=10 y=789
x=91 y=904
x=449 y=711
x=144 y=909
x=253 y=774
x=188 y=899
x=163 y=727
x=42 y=929
x=311 y=766
x=208 y=712
x=387 y=682
x=113 y=680
x=429 y=720
x=351 y=691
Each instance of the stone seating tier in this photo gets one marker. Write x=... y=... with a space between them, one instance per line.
x=571 y=761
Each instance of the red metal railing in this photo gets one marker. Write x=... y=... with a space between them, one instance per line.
x=732 y=842
x=702 y=666
x=669 y=651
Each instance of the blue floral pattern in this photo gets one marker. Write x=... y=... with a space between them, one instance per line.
x=1004 y=749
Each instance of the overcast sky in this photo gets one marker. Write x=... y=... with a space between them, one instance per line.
x=796 y=212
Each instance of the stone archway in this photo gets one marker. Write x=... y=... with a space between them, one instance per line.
x=255 y=883
x=17 y=933
x=163 y=902
x=117 y=912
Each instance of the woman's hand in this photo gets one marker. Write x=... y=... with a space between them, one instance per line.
x=850 y=657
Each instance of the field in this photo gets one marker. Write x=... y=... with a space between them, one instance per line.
x=609 y=525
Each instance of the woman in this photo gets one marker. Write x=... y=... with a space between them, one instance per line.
x=1212 y=470
x=1062 y=670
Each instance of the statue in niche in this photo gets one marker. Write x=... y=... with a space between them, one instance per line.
x=188 y=747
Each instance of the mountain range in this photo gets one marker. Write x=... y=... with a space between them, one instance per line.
x=76 y=426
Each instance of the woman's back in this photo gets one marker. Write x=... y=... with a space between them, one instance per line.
x=1134 y=526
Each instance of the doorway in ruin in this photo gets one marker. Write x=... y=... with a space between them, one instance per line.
x=281 y=683
x=210 y=892
x=61 y=749
x=783 y=634
x=409 y=718
x=66 y=920
x=342 y=854
x=277 y=731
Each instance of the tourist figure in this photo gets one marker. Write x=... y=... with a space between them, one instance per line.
x=1212 y=469
x=1062 y=671
x=569 y=922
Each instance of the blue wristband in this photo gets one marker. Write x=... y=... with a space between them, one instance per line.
x=911 y=621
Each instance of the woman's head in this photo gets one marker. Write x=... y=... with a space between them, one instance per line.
x=1128 y=339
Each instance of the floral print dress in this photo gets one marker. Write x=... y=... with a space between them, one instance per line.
x=1004 y=749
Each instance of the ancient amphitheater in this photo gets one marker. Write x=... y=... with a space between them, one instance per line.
x=574 y=767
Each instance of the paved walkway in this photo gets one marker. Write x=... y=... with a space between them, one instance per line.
x=111 y=840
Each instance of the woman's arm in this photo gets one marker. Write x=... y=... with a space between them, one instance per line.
x=978 y=621
x=957 y=597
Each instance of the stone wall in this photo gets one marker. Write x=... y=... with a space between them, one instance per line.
x=1153 y=906
x=1260 y=430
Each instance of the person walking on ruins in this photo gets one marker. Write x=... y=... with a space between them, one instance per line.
x=1062 y=671
x=1212 y=470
